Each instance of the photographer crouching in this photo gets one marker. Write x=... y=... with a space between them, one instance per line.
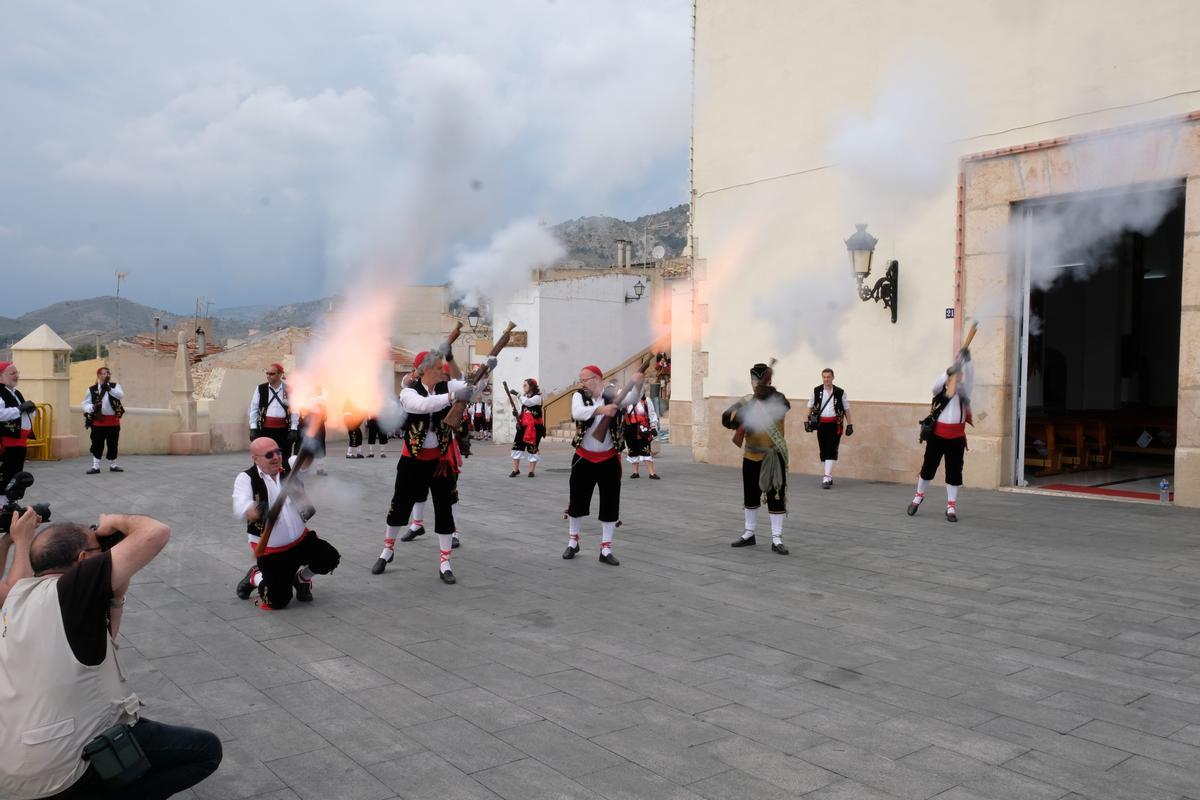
x=69 y=721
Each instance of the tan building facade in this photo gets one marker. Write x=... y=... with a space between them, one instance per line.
x=1071 y=102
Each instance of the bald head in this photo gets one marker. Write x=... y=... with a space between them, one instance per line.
x=267 y=455
x=59 y=546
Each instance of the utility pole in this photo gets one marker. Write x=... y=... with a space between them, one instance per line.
x=120 y=277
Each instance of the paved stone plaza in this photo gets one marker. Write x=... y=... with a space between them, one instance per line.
x=1042 y=647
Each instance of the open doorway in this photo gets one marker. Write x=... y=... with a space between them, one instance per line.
x=1098 y=367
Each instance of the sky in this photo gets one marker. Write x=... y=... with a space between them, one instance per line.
x=263 y=153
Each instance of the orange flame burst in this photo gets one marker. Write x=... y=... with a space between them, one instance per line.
x=348 y=362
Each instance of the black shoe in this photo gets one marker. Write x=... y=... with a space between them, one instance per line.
x=115 y=469
x=780 y=548
x=516 y=473
x=951 y=515
x=609 y=559
x=912 y=508
x=245 y=587
x=743 y=542
x=654 y=477
x=454 y=543
x=349 y=455
x=381 y=564
x=93 y=471
x=383 y=455
x=827 y=483
x=360 y=455
x=322 y=473
x=634 y=476
x=570 y=552
x=410 y=534
x=447 y=577
x=303 y=589
x=370 y=455
x=532 y=475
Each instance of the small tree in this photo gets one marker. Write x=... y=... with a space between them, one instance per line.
x=86 y=351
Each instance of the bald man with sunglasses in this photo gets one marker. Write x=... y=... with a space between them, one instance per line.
x=295 y=552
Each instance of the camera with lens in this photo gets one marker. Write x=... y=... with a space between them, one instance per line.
x=812 y=421
x=14 y=491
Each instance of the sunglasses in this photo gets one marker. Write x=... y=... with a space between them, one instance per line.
x=272 y=373
x=272 y=453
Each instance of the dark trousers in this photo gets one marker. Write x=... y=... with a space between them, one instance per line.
x=320 y=437
x=179 y=758
x=519 y=443
x=828 y=438
x=105 y=436
x=12 y=461
x=355 y=437
x=585 y=477
x=279 y=569
x=752 y=494
x=375 y=434
x=952 y=449
x=415 y=480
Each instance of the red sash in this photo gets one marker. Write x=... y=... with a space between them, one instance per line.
x=424 y=454
x=275 y=422
x=594 y=457
x=17 y=441
x=829 y=419
x=530 y=425
x=950 y=430
x=106 y=421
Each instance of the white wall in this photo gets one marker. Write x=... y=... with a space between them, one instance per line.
x=775 y=78
x=570 y=323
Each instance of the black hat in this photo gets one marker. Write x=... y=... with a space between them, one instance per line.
x=759 y=371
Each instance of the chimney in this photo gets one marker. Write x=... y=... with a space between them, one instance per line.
x=620 y=252
x=628 y=254
x=157 y=325
x=201 y=346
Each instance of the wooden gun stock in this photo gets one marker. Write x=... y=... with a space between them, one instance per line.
x=454 y=416
x=302 y=460
x=601 y=429
x=508 y=394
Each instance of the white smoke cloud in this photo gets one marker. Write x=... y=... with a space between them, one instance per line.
x=902 y=153
x=499 y=271
x=806 y=310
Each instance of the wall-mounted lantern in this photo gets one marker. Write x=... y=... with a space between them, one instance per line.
x=861 y=246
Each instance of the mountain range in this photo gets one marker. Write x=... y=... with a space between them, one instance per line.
x=589 y=242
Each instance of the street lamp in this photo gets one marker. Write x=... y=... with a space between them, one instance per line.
x=861 y=247
x=638 y=289
x=473 y=319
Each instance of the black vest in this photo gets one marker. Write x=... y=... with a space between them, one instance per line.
x=839 y=410
x=616 y=427
x=264 y=400
x=98 y=400
x=259 y=488
x=417 y=425
x=12 y=398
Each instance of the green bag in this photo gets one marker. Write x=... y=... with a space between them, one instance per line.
x=116 y=756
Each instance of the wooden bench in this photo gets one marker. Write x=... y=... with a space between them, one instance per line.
x=1044 y=431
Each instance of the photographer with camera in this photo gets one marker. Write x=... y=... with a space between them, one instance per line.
x=16 y=422
x=17 y=533
x=102 y=412
x=69 y=721
x=829 y=417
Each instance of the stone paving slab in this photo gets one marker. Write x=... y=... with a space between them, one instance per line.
x=1043 y=647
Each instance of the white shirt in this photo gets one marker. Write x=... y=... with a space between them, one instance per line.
x=952 y=414
x=274 y=407
x=651 y=414
x=413 y=402
x=288 y=527
x=827 y=402
x=8 y=414
x=536 y=400
x=581 y=412
x=106 y=408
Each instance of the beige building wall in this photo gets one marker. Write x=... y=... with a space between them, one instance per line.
x=422 y=317
x=773 y=80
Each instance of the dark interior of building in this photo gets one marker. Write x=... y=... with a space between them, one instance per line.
x=1103 y=365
